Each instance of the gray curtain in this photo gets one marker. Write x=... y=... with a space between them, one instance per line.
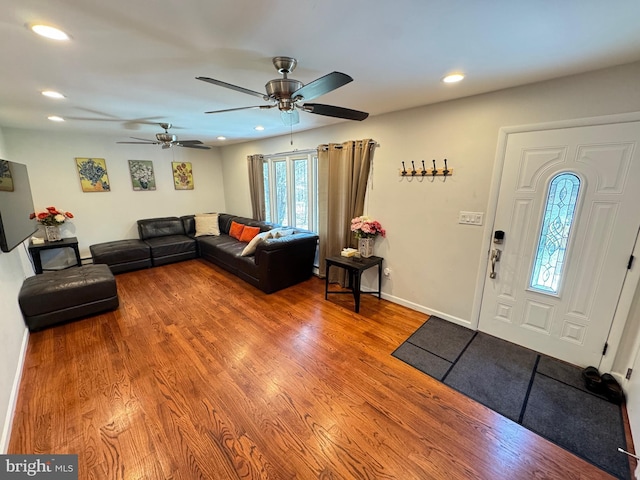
x=256 y=186
x=343 y=173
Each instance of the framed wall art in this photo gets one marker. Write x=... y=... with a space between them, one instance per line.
x=142 y=177
x=182 y=175
x=93 y=174
x=6 y=181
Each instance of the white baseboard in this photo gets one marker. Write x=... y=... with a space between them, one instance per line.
x=13 y=398
x=427 y=310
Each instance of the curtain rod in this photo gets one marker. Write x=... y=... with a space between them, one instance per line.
x=338 y=146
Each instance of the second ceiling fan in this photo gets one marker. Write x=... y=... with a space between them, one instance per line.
x=290 y=95
x=168 y=140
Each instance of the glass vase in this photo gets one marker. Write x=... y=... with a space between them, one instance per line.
x=365 y=247
x=52 y=232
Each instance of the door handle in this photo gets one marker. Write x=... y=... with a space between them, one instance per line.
x=495 y=257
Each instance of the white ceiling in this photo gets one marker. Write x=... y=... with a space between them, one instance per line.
x=131 y=64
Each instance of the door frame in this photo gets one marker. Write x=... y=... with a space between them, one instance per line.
x=633 y=275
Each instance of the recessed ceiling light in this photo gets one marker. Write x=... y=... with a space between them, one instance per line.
x=49 y=32
x=259 y=128
x=52 y=94
x=221 y=137
x=55 y=118
x=453 y=78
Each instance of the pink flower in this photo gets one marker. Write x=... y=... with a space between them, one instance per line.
x=365 y=227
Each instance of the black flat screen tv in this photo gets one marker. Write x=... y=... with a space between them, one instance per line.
x=16 y=204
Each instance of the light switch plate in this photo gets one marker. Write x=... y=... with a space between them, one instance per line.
x=471 y=218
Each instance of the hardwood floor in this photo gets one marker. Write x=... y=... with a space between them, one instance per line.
x=198 y=375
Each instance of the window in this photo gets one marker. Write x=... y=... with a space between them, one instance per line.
x=291 y=189
x=559 y=212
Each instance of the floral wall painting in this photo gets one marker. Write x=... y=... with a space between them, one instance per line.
x=182 y=175
x=6 y=181
x=93 y=174
x=142 y=177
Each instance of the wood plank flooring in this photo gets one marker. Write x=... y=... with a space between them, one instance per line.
x=198 y=375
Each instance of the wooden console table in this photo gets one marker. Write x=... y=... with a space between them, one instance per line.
x=35 y=250
x=355 y=267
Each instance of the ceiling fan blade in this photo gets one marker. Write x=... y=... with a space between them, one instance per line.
x=144 y=139
x=289 y=118
x=141 y=143
x=322 y=85
x=332 y=111
x=190 y=142
x=261 y=107
x=201 y=147
x=233 y=87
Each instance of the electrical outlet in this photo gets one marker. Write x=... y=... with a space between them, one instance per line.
x=471 y=218
x=387 y=272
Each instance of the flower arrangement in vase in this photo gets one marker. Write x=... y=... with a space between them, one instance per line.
x=366 y=230
x=51 y=218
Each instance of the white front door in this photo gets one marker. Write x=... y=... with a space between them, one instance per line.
x=569 y=204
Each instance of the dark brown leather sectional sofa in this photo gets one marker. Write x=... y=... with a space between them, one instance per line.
x=277 y=263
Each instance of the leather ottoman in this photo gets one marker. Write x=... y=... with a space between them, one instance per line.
x=60 y=296
x=122 y=255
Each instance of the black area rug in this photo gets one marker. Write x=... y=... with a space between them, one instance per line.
x=543 y=394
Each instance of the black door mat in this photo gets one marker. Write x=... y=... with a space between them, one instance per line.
x=543 y=394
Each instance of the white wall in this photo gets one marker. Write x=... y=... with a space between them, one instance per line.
x=13 y=333
x=104 y=216
x=434 y=260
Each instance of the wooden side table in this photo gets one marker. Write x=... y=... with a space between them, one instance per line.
x=35 y=250
x=355 y=267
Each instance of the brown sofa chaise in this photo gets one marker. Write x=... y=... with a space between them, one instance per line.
x=122 y=255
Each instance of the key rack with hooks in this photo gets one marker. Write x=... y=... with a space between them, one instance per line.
x=425 y=172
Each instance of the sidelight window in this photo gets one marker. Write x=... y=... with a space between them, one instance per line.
x=551 y=251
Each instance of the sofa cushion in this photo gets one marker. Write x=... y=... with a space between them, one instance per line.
x=236 y=230
x=207 y=224
x=160 y=227
x=122 y=255
x=171 y=245
x=225 y=220
x=248 y=233
x=250 y=249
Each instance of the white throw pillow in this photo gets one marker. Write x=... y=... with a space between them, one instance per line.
x=207 y=224
x=250 y=249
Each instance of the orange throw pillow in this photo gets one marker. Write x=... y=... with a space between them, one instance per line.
x=248 y=233
x=236 y=230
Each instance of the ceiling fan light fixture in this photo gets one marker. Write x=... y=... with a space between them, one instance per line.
x=52 y=94
x=166 y=137
x=55 y=118
x=453 y=78
x=47 y=31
